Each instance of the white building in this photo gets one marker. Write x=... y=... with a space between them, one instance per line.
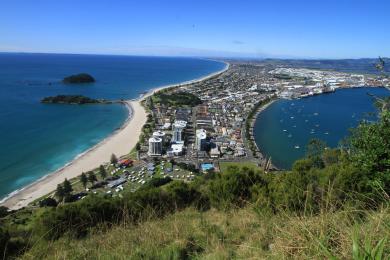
x=214 y=152
x=177 y=132
x=176 y=150
x=159 y=134
x=200 y=140
x=155 y=146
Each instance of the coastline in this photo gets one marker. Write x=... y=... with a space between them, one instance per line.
x=120 y=142
x=263 y=156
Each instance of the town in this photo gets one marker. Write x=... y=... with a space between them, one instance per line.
x=216 y=127
x=207 y=126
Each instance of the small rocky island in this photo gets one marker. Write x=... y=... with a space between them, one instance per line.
x=78 y=78
x=73 y=100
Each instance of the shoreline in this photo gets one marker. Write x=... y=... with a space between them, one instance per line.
x=119 y=142
x=252 y=126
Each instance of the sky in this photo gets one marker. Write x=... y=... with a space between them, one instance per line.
x=212 y=28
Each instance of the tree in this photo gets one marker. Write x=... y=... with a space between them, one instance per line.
x=60 y=194
x=67 y=186
x=102 y=172
x=138 y=146
x=84 y=180
x=113 y=159
x=4 y=240
x=92 y=177
x=3 y=211
x=314 y=152
x=370 y=153
x=48 y=202
x=172 y=162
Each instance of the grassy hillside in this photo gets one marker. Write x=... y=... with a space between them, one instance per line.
x=241 y=233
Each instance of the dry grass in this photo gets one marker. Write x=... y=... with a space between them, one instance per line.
x=239 y=234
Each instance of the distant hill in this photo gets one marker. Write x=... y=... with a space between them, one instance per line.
x=365 y=66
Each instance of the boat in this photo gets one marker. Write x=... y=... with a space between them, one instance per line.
x=296 y=147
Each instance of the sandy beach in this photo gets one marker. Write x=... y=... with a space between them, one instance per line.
x=120 y=143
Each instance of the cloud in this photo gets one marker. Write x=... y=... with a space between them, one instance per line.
x=238 y=42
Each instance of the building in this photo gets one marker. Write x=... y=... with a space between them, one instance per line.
x=175 y=150
x=183 y=114
x=204 y=122
x=200 y=141
x=155 y=146
x=177 y=132
x=214 y=152
x=125 y=163
x=159 y=134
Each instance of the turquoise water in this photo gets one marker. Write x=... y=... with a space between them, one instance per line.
x=36 y=139
x=288 y=124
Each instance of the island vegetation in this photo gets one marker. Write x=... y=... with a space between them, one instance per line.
x=72 y=99
x=78 y=78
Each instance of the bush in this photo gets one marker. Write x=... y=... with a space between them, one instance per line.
x=4 y=239
x=184 y=195
x=76 y=218
x=233 y=188
x=156 y=182
x=48 y=202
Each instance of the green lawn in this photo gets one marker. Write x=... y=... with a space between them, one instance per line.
x=225 y=165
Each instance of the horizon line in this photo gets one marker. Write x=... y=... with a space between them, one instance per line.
x=191 y=56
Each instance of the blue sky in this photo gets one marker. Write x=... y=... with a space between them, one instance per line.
x=246 y=28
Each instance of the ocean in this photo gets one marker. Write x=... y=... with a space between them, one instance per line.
x=37 y=139
x=283 y=130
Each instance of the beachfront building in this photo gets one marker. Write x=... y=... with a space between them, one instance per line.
x=155 y=146
x=177 y=133
x=175 y=150
x=159 y=134
x=200 y=141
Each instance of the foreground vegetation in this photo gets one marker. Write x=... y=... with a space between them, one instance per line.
x=334 y=203
x=241 y=233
